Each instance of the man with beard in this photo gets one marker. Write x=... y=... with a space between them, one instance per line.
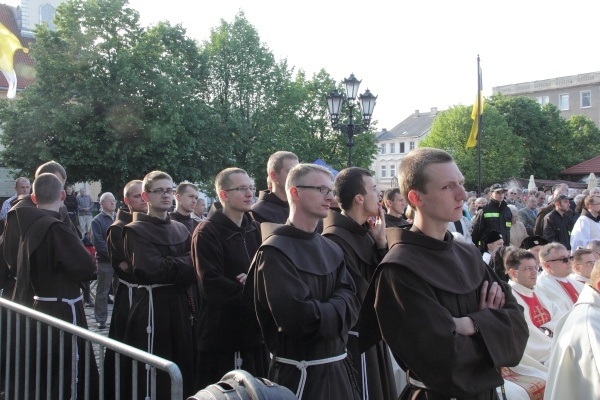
x=162 y=312
x=364 y=244
x=448 y=320
x=272 y=205
x=222 y=250
x=304 y=297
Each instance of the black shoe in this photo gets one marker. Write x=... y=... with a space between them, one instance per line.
x=89 y=304
x=101 y=325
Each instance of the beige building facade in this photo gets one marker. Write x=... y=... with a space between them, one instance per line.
x=396 y=143
x=572 y=95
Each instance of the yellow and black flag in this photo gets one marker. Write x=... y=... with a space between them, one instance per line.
x=477 y=111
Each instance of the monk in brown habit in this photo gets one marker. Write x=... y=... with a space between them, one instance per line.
x=161 y=318
x=363 y=241
x=126 y=287
x=450 y=322
x=222 y=250
x=304 y=297
x=53 y=262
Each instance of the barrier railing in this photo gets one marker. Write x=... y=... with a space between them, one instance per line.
x=12 y=363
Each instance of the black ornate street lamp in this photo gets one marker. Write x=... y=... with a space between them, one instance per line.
x=335 y=101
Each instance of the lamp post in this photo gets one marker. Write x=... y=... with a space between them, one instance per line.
x=335 y=101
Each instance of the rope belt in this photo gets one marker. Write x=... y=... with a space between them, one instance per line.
x=150 y=327
x=418 y=384
x=363 y=370
x=130 y=286
x=70 y=302
x=302 y=365
x=237 y=360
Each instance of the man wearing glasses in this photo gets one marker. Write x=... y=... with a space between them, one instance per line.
x=512 y=198
x=222 y=250
x=554 y=282
x=304 y=297
x=161 y=315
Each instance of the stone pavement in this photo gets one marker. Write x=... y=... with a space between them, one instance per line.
x=91 y=321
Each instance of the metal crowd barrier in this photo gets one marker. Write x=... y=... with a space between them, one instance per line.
x=11 y=359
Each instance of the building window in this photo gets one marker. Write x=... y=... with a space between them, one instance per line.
x=383 y=171
x=392 y=148
x=402 y=148
x=392 y=171
x=543 y=100
x=412 y=146
x=382 y=148
x=586 y=99
x=563 y=102
x=47 y=15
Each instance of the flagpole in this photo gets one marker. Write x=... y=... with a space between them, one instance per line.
x=479 y=122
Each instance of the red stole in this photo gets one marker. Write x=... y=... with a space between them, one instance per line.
x=538 y=314
x=571 y=291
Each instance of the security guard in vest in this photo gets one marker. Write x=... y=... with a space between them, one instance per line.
x=494 y=216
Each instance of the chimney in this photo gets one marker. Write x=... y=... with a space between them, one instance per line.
x=416 y=113
x=384 y=130
x=434 y=110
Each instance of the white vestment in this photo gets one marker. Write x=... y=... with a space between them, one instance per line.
x=574 y=363
x=548 y=286
x=539 y=344
x=584 y=231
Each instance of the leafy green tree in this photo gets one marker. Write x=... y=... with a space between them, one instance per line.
x=585 y=139
x=545 y=133
x=112 y=101
x=502 y=153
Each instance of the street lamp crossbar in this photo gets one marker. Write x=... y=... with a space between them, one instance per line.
x=335 y=100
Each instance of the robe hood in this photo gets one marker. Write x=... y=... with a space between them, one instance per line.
x=164 y=231
x=352 y=233
x=317 y=255
x=456 y=278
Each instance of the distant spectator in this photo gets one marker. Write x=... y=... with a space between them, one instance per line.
x=528 y=214
x=518 y=232
x=84 y=209
x=558 y=223
x=587 y=226
x=22 y=188
x=71 y=204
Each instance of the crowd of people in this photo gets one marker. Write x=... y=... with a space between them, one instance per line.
x=322 y=284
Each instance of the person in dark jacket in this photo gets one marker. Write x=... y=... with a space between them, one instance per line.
x=559 y=222
x=222 y=250
x=494 y=216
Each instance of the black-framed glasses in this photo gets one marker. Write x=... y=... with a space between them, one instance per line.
x=242 y=189
x=322 y=189
x=563 y=259
x=161 y=191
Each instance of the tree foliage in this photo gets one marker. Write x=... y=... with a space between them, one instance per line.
x=502 y=153
x=113 y=101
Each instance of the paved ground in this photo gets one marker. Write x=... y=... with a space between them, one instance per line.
x=91 y=321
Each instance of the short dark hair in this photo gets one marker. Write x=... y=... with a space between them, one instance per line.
x=47 y=188
x=129 y=185
x=515 y=257
x=579 y=253
x=183 y=186
x=222 y=179
x=348 y=183
x=412 y=171
x=390 y=194
x=52 y=167
x=275 y=162
x=154 y=176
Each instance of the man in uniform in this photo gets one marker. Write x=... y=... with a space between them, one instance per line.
x=364 y=244
x=222 y=250
x=272 y=205
x=162 y=313
x=304 y=296
x=468 y=322
x=494 y=216
x=186 y=197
